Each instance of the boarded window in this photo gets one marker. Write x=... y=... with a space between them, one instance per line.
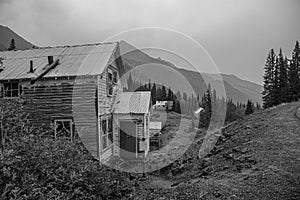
x=63 y=129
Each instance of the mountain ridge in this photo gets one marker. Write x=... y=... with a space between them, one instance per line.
x=7 y=35
x=237 y=89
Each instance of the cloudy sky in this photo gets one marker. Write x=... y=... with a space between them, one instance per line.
x=237 y=34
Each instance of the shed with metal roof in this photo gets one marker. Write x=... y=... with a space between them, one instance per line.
x=131 y=116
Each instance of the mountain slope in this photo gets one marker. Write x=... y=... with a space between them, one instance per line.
x=236 y=89
x=6 y=34
x=261 y=154
x=254 y=158
x=252 y=90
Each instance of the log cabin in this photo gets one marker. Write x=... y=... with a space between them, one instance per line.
x=78 y=91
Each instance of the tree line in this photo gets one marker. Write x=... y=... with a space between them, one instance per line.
x=216 y=109
x=281 y=78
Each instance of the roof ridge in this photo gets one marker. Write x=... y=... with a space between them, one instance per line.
x=64 y=46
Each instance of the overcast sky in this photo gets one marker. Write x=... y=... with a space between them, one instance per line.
x=236 y=33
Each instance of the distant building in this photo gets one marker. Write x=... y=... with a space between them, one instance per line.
x=163 y=105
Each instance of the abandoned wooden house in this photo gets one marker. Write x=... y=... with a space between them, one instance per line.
x=76 y=90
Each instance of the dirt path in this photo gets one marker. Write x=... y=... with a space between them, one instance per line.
x=175 y=148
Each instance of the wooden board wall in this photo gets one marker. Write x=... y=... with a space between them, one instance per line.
x=71 y=99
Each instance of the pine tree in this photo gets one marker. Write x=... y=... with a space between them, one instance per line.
x=230 y=111
x=184 y=96
x=159 y=93
x=178 y=95
x=12 y=45
x=283 y=86
x=257 y=106
x=268 y=79
x=249 y=108
x=294 y=73
x=170 y=95
x=275 y=92
x=205 y=117
x=149 y=85
x=153 y=94
x=163 y=93
x=214 y=108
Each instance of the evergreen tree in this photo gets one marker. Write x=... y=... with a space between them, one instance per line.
x=159 y=93
x=249 y=108
x=178 y=95
x=149 y=85
x=153 y=93
x=205 y=116
x=176 y=106
x=170 y=95
x=257 y=106
x=283 y=86
x=163 y=93
x=268 y=79
x=231 y=114
x=275 y=92
x=294 y=73
x=184 y=96
x=12 y=45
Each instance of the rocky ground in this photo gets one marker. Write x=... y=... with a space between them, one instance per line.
x=254 y=158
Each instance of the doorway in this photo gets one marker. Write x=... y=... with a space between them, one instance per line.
x=128 y=139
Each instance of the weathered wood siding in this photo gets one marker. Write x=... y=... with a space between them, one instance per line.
x=69 y=99
x=106 y=102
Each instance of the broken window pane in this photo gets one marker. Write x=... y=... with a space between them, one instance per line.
x=63 y=129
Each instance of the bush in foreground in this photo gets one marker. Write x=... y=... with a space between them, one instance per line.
x=35 y=168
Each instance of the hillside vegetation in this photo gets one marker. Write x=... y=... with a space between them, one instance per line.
x=254 y=158
x=257 y=157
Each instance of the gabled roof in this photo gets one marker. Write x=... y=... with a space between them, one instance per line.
x=132 y=102
x=80 y=60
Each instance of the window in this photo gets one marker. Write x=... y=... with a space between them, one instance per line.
x=112 y=79
x=110 y=89
x=106 y=133
x=63 y=129
x=11 y=89
x=110 y=75
x=115 y=77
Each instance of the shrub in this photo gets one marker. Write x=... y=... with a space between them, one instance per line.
x=40 y=168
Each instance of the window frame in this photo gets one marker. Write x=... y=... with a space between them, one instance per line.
x=107 y=133
x=110 y=89
x=115 y=77
x=63 y=120
x=11 y=89
x=111 y=82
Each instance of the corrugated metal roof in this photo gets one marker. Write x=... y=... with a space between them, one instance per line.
x=132 y=102
x=90 y=59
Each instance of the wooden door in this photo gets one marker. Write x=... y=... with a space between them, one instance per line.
x=128 y=140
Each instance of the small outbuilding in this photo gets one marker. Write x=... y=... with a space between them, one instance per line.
x=131 y=118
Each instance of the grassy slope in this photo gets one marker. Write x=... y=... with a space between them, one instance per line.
x=256 y=158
